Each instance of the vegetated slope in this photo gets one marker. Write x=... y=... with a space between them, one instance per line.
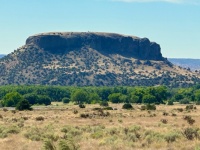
x=193 y=64
x=85 y=59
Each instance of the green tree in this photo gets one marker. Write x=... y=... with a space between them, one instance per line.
x=79 y=96
x=149 y=99
x=134 y=98
x=104 y=92
x=178 y=96
x=124 y=98
x=161 y=94
x=43 y=99
x=115 y=97
x=94 y=98
x=139 y=92
x=197 y=96
x=32 y=98
x=11 y=99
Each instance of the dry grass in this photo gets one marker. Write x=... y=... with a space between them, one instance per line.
x=107 y=129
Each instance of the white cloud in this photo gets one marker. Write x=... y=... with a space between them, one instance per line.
x=167 y=1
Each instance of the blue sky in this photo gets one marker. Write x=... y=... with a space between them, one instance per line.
x=174 y=24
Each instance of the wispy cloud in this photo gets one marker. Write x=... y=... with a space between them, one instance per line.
x=167 y=1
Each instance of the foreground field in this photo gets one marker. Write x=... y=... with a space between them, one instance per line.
x=60 y=126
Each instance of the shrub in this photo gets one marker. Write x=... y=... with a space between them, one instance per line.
x=189 y=119
x=127 y=106
x=179 y=109
x=104 y=103
x=65 y=100
x=84 y=115
x=191 y=133
x=170 y=102
x=75 y=111
x=5 y=109
x=67 y=144
x=164 y=121
x=184 y=101
x=81 y=105
x=107 y=108
x=150 y=107
x=143 y=107
x=189 y=107
x=171 y=137
x=23 y=105
x=165 y=114
x=39 y=118
x=48 y=145
x=4 y=131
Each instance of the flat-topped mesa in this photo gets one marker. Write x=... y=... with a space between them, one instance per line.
x=109 y=43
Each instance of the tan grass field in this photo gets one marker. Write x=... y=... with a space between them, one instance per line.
x=89 y=129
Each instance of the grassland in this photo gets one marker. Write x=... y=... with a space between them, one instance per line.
x=59 y=126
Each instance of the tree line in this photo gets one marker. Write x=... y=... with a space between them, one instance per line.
x=11 y=95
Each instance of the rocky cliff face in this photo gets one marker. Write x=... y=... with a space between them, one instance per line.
x=107 y=43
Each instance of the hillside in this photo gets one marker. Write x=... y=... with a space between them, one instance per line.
x=86 y=58
x=1 y=55
x=193 y=64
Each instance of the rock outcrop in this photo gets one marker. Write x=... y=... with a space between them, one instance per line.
x=91 y=59
x=107 y=43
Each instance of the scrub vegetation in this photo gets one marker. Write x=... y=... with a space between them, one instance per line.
x=112 y=118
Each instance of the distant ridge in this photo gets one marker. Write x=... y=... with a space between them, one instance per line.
x=193 y=64
x=2 y=55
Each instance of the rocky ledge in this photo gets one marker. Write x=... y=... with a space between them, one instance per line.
x=107 y=43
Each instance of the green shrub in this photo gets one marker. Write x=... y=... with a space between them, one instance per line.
x=104 y=103
x=5 y=130
x=107 y=108
x=197 y=103
x=191 y=133
x=184 y=101
x=127 y=106
x=97 y=135
x=67 y=144
x=48 y=145
x=39 y=134
x=65 y=100
x=23 y=105
x=171 y=137
x=170 y=102
x=150 y=107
